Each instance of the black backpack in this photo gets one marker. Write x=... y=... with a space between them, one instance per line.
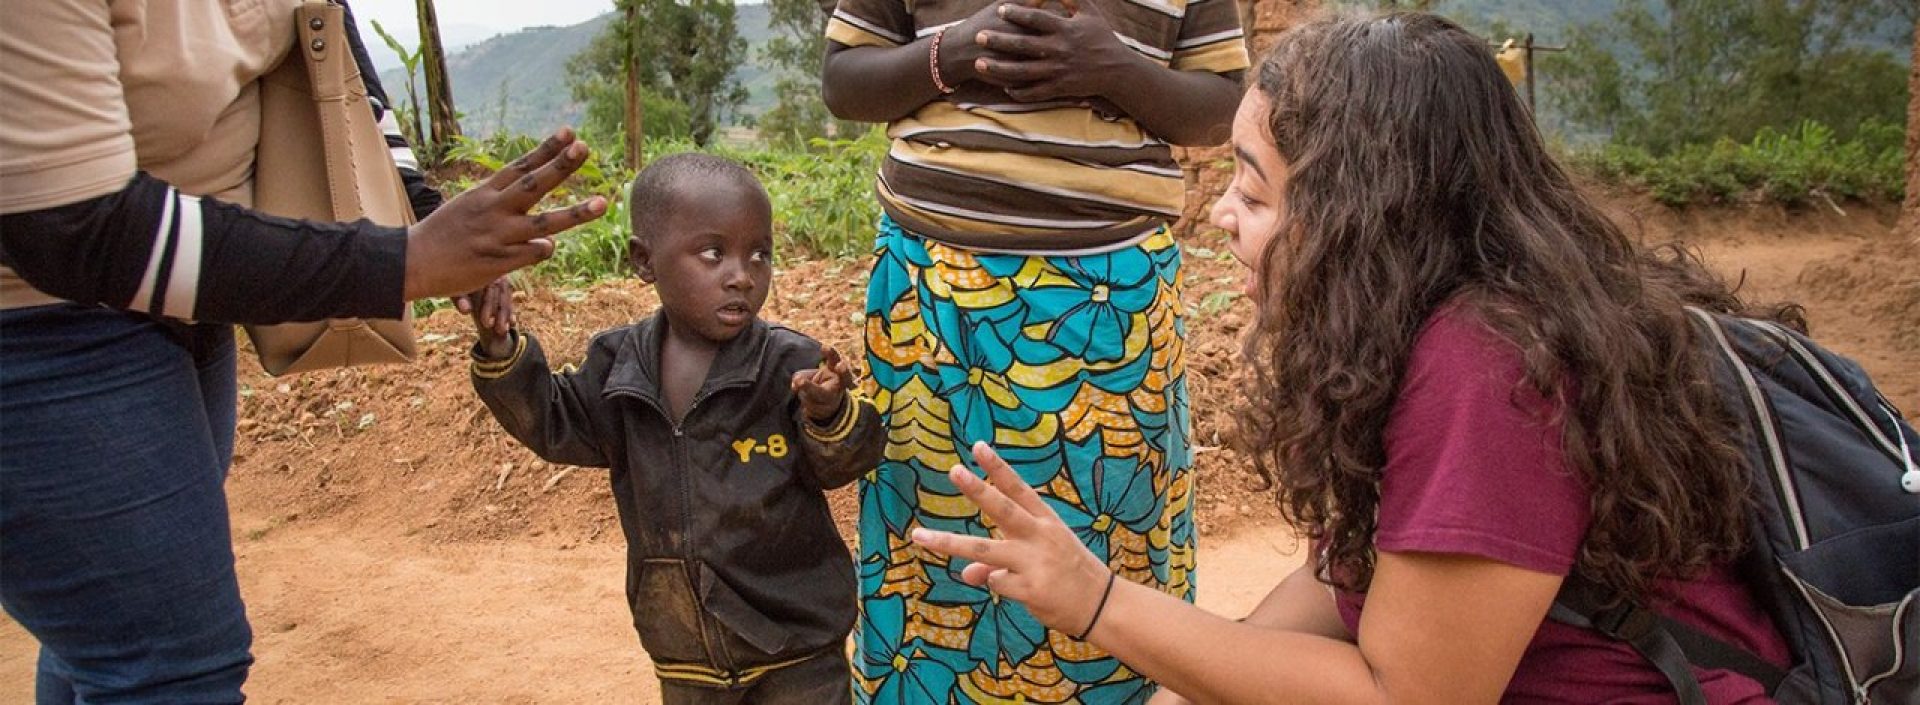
x=1835 y=554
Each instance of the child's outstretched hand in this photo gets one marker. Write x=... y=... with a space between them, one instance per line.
x=822 y=390
x=492 y=311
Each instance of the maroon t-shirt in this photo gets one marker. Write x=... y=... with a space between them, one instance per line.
x=1474 y=466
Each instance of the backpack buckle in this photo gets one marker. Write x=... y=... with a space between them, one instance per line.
x=1625 y=622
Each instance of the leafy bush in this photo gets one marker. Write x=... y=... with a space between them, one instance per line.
x=591 y=252
x=822 y=195
x=1805 y=166
x=823 y=200
x=493 y=151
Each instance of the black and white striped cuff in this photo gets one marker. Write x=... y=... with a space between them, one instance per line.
x=170 y=286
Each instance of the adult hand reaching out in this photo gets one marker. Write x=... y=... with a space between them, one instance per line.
x=488 y=231
x=1035 y=559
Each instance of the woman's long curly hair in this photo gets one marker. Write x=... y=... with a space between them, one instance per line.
x=1416 y=178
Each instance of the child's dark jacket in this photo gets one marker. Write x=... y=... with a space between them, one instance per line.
x=733 y=561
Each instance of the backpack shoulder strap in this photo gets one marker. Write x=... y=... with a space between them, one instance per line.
x=1670 y=645
x=1766 y=444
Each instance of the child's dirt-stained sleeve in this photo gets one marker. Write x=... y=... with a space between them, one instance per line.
x=552 y=413
x=847 y=447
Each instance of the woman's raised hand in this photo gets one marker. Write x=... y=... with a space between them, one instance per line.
x=488 y=231
x=1035 y=558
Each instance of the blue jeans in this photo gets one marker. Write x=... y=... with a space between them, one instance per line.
x=116 y=431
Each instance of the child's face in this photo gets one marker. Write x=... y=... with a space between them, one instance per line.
x=1251 y=209
x=712 y=261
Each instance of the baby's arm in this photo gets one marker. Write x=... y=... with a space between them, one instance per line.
x=552 y=413
x=841 y=430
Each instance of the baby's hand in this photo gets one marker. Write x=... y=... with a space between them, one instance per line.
x=492 y=311
x=822 y=390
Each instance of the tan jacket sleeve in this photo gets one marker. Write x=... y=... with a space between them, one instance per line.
x=65 y=135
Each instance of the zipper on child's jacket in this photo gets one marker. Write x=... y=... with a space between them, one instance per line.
x=680 y=458
x=684 y=479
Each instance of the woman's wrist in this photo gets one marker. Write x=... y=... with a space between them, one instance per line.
x=1100 y=607
x=1096 y=585
x=952 y=60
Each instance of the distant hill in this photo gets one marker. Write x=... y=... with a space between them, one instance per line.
x=456 y=36
x=518 y=81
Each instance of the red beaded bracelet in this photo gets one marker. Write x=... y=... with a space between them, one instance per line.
x=933 y=62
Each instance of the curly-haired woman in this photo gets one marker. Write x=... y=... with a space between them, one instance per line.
x=1469 y=385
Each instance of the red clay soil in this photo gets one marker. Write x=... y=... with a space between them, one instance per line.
x=410 y=449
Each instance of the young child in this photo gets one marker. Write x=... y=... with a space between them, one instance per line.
x=1468 y=386
x=722 y=431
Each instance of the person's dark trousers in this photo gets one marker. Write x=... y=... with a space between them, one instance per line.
x=116 y=431
x=822 y=680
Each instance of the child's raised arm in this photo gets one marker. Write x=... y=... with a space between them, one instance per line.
x=823 y=390
x=558 y=415
x=842 y=430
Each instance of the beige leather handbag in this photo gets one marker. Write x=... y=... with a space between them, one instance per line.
x=322 y=157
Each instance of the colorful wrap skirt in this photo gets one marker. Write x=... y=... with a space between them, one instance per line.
x=1072 y=367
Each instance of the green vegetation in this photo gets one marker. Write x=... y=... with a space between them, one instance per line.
x=406 y=114
x=795 y=47
x=822 y=194
x=511 y=83
x=1801 y=103
x=1679 y=75
x=685 y=50
x=1694 y=102
x=1805 y=166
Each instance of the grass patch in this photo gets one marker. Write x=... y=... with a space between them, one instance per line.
x=1801 y=167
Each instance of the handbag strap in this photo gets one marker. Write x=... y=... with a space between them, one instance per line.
x=337 y=88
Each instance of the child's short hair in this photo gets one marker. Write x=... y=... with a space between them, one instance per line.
x=651 y=197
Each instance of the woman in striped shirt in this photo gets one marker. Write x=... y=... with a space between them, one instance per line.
x=1026 y=293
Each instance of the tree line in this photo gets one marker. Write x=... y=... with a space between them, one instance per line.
x=1655 y=75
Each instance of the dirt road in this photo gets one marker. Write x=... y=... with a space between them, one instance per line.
x=341 y=617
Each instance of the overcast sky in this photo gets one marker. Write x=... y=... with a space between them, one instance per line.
x=493 y=16
x=464 y=22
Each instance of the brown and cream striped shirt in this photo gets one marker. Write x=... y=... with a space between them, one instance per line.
x=977 y=168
